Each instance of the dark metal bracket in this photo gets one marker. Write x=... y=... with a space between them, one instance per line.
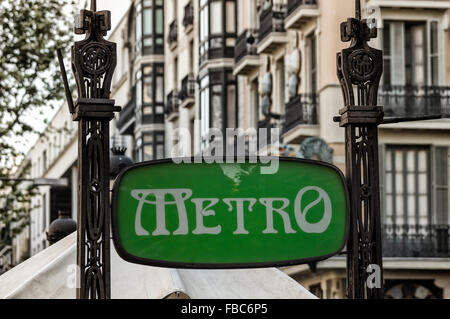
x=393 y=120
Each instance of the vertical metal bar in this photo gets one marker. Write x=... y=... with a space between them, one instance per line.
x=93 y=5
x=353 y=272
x=81 y=225
x=377 y=255
x=357 y=9
x=107 y=205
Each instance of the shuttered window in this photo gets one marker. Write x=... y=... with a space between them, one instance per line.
x=407 y=186
x=440 y=185
x=414 y=185
x=411 y=53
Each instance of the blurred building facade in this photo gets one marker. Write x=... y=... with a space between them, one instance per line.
x=196 y=64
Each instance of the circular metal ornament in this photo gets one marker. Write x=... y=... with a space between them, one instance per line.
x=95 y=58
x=362 y=65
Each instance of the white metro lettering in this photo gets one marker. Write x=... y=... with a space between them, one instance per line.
x=204 y=208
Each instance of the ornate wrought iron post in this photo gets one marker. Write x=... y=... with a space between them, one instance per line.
x=93 y=62
x=359 y=70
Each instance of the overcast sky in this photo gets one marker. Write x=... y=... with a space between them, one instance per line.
x=118 y=8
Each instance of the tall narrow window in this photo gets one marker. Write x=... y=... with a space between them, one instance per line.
x=138 y=27
x=313 y=63
x=434 y=53
x=204 y=108
x=192 y=131
x=218 y=101
x=387 y=58
x=415 y=53
x=440 y=184
x=148 y=147
x=175 y=74
x=217 y=106
x=407 y=186
x=281 y=85
x=44 y=161
x=150 y=93
x=204 y=29
x=191 y=56
x=153 y=146
x=150 y=27
x=139 y=93
x=217 y=29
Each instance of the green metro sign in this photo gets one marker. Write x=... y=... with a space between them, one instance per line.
x=229 y=215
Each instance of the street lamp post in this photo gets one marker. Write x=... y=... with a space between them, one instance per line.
x=359 y=70
x=93 y=62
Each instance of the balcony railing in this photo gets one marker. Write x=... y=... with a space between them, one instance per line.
x=188 y=19
x=127 y=112
x=415 y=100
x=292 y=5
x=173 y=33
x=246 y=44
x=272 y=20
x=187 y=87
x=431 y=241
x=172 y=103
x=301 y=110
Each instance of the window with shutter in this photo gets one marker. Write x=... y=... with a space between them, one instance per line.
x=440 y=185
x=411 y=52
x=434 y=53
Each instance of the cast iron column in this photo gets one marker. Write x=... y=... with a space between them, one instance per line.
x=93 y=63
x=359 y=70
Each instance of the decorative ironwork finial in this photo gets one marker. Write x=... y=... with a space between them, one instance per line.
x=94 y=58
x=359 y=65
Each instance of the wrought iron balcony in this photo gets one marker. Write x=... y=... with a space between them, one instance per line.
x=293 y=5
x=188 y=20
x=127 y=113
x=246 y=44
x=187 y=93
x=173 y=34
x=269 y=123
x=301 y=110
x=431 y=241
x=271 y=21
x=172 y=103
x=300 y=11
x=245 y=53
x=415 y=100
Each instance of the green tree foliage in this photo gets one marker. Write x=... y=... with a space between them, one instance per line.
x=30 y=82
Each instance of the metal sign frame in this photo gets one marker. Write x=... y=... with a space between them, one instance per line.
x=181 y=265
